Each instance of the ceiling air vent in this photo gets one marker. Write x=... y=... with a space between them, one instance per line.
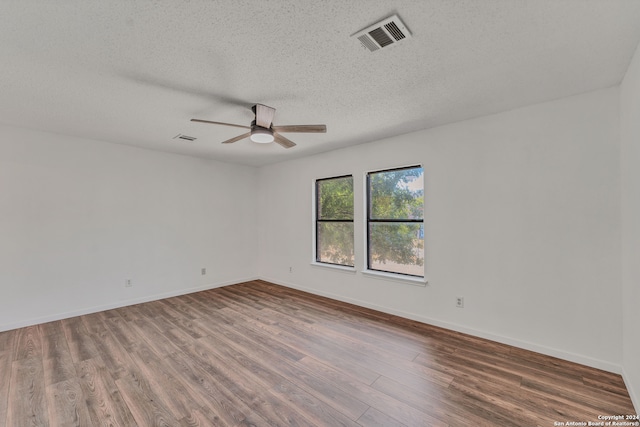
x=385 y=33
x=185 y=137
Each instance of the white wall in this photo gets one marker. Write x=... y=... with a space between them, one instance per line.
x=78 y=217
x=630 y=177
x=522 y=220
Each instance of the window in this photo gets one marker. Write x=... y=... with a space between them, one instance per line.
x=334 y=220
x=395 y=221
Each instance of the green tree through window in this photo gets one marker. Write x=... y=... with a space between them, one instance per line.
x=334 y=220
x=395 y=221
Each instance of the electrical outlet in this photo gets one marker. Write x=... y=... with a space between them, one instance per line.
x=203 y=271
x=290 y=269
x=460 y=302
x=128 y=283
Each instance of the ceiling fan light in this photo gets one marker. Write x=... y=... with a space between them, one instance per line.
x=261 y=136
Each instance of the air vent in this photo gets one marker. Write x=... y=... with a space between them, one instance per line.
x=185 y=137
x=385 y=33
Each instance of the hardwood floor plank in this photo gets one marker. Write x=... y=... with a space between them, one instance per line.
x=459 y=367
x=241 y=299
x=542 y=407
x=257 y=335
x=308 y=347
x=7 y=339
x=431 y=398
x=208 y=299
x=311 y=408
x=343 y=331
x=27 y=405
x=168 y=388
x=160 y=322
x=380 y=361
x=58 y=363
x=613 y=385
x=147 y=312
x=123 y=332
x=286 y=368
x=380 y=325
x=230 y=348
x=80 y=343
x=103 y=399
x=497 y=402
x=324 y=390
x=242 y=383
x=190 y=327
x=154 y=337
x=394 y=408
x=256 y=318
x=555 y=365
x=143 y=403
x=179 y=337
x=269 y=300
x=181 y=308
x=28 y=343
x=365 y=343
x=95 y=324
x=160 y=308
x=520 y=367
x=374 y=418
x=6 y=358
x=202 y=417
x=406 y=343
x=107 y=314
x=591 y=400
x=130 y=313
x=65 y=402
x=259 y=354
x=234 y=410
x=201 y=306
x=116 y=358
x=51 y=328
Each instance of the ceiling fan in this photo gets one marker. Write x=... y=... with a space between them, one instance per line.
x=263 y=131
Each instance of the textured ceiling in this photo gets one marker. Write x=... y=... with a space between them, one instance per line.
x=135 y=72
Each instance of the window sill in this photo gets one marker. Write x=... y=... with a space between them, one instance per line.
x=415 y=281
x=342 y=268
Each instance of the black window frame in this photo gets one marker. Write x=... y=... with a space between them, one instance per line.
x=388 y=221
x=320 y=220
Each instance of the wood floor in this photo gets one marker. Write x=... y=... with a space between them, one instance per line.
x=257 y=354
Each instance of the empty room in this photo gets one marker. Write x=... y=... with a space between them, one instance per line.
x=320 y=213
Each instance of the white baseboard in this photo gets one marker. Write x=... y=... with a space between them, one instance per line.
x=635 y=397
x=118 y=304
x=549 y=351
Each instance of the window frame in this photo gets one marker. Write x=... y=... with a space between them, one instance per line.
x=368 y=220
x=318 y=220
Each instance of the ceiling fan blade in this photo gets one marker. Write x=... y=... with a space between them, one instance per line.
x=237 y=138
x=301 y=128
x=220 y=123
x=264 y=115
x=283 y=141
x=218 y=97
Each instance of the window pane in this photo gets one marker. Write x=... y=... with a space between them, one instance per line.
x=397 y=194
x=397 y=247
x=335 y=243
x=335 y=198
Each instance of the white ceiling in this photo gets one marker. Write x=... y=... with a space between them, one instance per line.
x=135 y=72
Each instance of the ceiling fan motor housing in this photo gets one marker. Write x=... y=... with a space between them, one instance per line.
x=261 y=135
